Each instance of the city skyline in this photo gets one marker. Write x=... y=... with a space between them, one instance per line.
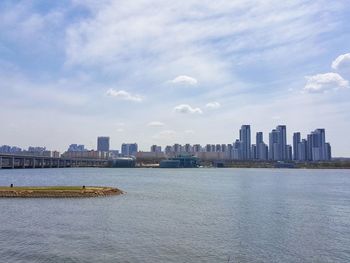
x=314 y=147
x=161 y=72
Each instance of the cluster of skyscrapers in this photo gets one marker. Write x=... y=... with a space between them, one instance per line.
x=103 y=148
x=313 y=148
x=31 y=151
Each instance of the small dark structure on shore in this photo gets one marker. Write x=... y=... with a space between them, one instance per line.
x=122 y=162
x=180 y=162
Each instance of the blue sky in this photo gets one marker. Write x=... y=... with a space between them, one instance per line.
x=164 y=72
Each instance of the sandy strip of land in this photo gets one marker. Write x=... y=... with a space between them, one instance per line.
x=57 y=192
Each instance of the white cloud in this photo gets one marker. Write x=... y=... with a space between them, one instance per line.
x=185 y=80
x=176 y=30
x=120 y=130
x=166 y=134
x=342 y=62
x=155 y=124
x=325 y=82
x=213 y=105
x=185 y=108
x=123 y=95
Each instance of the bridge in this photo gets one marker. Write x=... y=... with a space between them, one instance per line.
x=13 y=161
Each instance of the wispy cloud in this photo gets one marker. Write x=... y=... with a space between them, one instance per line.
x=185 y=80
x=342 y=62
x=245 y=54
x=213 y=105
x=325 y=82
x=185 y=108
x=123 y=95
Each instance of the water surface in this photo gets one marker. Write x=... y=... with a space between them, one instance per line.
x=181 y=215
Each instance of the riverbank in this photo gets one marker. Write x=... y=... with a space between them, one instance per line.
x=57 y=191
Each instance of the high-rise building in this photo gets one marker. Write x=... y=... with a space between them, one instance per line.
x=223 y=148
x=259 y=138
x=103 y=144
x=237 y=150
x=254 y=152
x=314 y=148
x=76 y=148
x=208 y=148
x=245 y=139
x=229 y=151
x=273 y=141
x=197 y=148
x=261 y=148
x=282 y=141
x=296 y=141
x=317 y=146
x=168 y=149
x=156 y=149
x=328 y=152
x=262 y=152
x=302 y=151
x=188 y=148
x=177 y=148
x=278 y=143
x=129 y=149
x=10 y=149
x=289 y=155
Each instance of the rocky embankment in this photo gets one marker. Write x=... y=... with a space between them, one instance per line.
x=58 y=192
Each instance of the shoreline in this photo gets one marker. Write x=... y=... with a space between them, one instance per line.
x=57 y=191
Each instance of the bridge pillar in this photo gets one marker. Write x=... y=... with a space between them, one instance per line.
x=13 y=163
x=33 y=162
x=42 y=163
x=0 y=162
x=24 y=163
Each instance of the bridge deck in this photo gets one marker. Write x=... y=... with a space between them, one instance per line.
x=11 y=161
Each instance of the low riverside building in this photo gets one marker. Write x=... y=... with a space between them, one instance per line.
x=213 y=156
x=122 y=162
x=180 y=162
x=150 y=156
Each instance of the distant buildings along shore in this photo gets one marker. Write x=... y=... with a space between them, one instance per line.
x=312 y=148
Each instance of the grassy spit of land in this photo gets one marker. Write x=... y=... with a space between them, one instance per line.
x=57 y=191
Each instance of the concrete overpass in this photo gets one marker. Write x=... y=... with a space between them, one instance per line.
x=13 y=161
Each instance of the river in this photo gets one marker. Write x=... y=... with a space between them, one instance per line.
x=180 y=215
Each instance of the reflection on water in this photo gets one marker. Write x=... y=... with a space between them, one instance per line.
x=181 y=215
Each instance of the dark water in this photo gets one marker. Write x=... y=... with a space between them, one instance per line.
x=181 y=215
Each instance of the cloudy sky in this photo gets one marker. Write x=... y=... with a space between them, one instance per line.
x=164 y=72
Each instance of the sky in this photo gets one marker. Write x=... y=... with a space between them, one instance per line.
x=164 y=72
